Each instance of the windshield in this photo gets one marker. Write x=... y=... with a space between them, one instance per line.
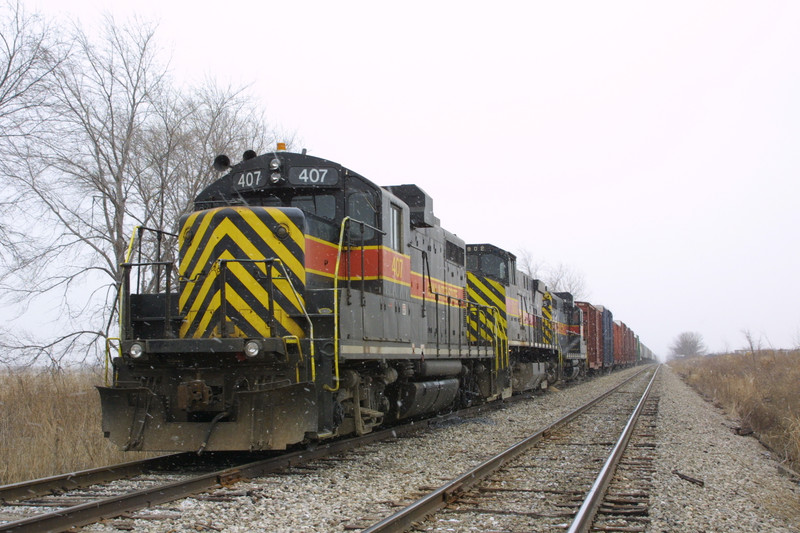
x=490 y=265
x=321 y=208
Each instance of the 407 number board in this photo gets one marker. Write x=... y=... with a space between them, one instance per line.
x=299 y=176
x=323 y=176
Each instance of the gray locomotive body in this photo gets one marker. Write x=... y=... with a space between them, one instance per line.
x=308 y=303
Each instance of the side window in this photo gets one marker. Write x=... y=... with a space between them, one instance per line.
x=362 y=206
x=396 y=228
x=472 y=263
x=454 y=253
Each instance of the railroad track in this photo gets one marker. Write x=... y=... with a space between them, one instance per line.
x=69 y=500
x=554 y=479
x=625 y=506
x=80 y=498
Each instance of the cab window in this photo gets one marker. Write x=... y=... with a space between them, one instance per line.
x=320 y=211
x=362 y=206
x=396 y=228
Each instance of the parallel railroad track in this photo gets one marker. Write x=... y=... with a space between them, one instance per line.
x=625 y=506
x=549 y=480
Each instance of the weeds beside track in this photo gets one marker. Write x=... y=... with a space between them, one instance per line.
x=50 y=424
x=759 y=388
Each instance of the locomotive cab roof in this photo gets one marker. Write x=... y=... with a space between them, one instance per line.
x=270 y=173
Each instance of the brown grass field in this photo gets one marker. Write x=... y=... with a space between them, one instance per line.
x=761 y=389
x=50 y=424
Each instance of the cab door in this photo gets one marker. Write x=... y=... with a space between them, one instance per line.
x=396 y=274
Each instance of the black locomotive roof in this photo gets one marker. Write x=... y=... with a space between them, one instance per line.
x=489 y=248
x=252 y=176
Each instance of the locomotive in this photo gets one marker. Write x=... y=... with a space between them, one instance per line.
x=309 y=303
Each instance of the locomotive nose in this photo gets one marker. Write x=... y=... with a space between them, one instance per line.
x=243 y=273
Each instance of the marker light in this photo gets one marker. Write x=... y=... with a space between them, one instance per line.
x=136 y=350
x=252 y=348
x=222 y=163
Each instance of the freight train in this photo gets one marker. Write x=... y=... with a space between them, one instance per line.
x=308 y=303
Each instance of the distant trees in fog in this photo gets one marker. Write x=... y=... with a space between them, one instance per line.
x=688 y=344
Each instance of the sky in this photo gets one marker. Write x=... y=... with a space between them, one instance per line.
x=653 y=147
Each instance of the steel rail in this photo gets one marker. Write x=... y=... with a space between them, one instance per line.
x=75 y=480
x=87 y=513
x=585 y=515
x=403 y=519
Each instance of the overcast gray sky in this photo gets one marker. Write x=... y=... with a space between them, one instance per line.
x=651 y=146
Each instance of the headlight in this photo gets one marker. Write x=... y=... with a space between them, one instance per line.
x=136 y=350
x=252 y=348
x=275 y=178
x=275 y=164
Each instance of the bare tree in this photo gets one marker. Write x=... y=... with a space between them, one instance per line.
x=30 y=51
x=117 y=147
x=564 y=278
x=78 y=174
x=561 y=278
x=528 y=264
x=175 y=152
x=688 y=344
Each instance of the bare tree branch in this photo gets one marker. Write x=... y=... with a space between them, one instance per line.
x=30 y=50
x=561 y=278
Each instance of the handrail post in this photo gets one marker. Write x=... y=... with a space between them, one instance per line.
x=271 y=306
x=139 y=259
x=449 y=328
x=436 y=299
x=168 y=310
x=159 y=237
x=349 y=263
x=125 y=302
x=363 y=281
x=223 y=307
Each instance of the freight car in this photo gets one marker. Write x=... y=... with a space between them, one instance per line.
x=592 y=322
x=624 y=345
x=308 y=302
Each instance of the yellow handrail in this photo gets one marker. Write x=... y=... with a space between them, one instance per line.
x=128 y=254
x=108 y=354
x=130 y=244
x=335 y=388
x=300 y=303
x=500 y=341
x=308 y=318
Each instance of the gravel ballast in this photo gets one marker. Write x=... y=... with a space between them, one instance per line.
x=742 y=489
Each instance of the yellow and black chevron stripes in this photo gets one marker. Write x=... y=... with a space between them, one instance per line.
x=232 y=243
x=547 y=318
x=481 y=323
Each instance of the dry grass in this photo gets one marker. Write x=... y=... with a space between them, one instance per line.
x=50 y=424
x=760 y=388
